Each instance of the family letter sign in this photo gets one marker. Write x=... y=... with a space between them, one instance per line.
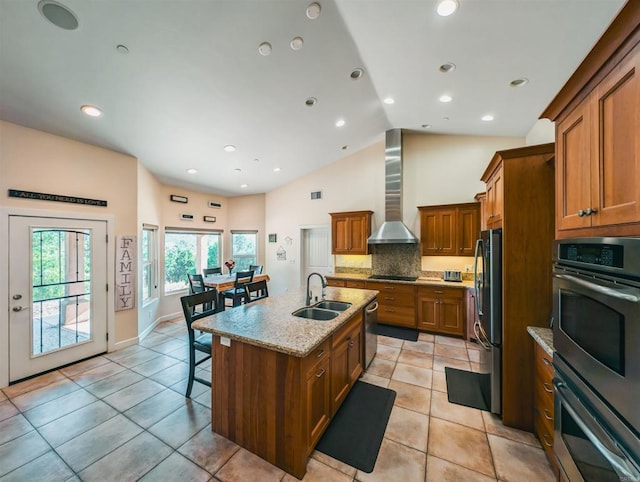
x=125 y=272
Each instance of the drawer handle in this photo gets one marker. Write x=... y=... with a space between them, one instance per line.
x=547 y=388
x=389 y=288
x=391 y=298
x=439 y=292
x=546 y=361
x=547 y=414
x=389 y=310
x=320 y=353
x=545 y=439
x=320 y=373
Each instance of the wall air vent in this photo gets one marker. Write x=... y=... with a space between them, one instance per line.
x=316 y=195
x=214 y=205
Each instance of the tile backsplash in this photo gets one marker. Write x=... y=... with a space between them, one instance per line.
x=396 y=259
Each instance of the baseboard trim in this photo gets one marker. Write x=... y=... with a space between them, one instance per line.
x=150 y=328
x=119 y=345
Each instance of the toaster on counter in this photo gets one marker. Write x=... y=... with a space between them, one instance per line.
x=452 y=275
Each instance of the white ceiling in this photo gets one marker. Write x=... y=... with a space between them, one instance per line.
x=193 y=80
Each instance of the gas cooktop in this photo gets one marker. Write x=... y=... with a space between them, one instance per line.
x=393 y=278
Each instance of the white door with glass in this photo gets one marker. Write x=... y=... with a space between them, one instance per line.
x=316 y=252
x=57 y=292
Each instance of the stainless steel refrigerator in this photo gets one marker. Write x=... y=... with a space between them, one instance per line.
x=488 y=326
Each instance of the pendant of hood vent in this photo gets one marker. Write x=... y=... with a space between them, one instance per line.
x=393 y=230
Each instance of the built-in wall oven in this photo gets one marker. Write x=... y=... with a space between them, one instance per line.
x=596 y=334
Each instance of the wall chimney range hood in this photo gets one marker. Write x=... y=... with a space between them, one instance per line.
x=393 y=230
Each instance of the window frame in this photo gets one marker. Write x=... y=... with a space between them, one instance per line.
x=200 y=260
x=235 y=256
x=151 y=262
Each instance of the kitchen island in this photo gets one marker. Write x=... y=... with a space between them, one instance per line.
x=278 y=379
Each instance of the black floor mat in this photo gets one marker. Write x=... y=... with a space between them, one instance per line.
x=468 y=388
x=355 y=434
x=398 y=332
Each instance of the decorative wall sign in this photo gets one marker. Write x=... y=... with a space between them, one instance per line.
x=125 y=272
x=288 y=240
x=281 y=254
x=186 y=217
x=179 y=199
x=60 y=198
x=209 y=219
x=213 y=204
x=273 y=237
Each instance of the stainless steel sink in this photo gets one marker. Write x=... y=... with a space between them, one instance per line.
x=314 y=313
x=333 y=305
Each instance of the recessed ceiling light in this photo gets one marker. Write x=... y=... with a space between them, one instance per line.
x=58 y=14
x=191 y=170
x=519 y=82
x=296 y=43
x=256 y=160
x=122 y=49
x=313 y=10
x=243 y=186
x=345 y=147
x=276 y=169
x=340 y=122
x=91 y=110
x=487 y=118
x=445 y=118
x=264 y=48
x=237 y=170
x=229 y=148
x=389 y=101
x=356 y=73
x=448 y=67
x=311 y=101
x=426 y=126
x=445 y=98
x=447 y=7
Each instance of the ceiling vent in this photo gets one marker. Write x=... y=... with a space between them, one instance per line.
x=316 y=195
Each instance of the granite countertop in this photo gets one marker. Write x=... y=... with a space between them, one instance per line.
x=269 y=323
x=544 y=337
x=419 y=282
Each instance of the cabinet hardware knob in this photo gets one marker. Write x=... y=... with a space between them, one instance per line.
x=591 y=211
x=351 y=344
x=320 y=373
x=547 y=387
x=547 y=414
x=581 y=213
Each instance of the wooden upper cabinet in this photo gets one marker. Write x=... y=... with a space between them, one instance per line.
x=597 y=116
x=449 y=230
x=495 y=199
x=350 y=231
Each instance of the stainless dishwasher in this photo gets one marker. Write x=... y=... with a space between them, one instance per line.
x=370 y=332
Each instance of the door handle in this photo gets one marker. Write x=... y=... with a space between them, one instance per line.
x=17 y=297
x=19 y=308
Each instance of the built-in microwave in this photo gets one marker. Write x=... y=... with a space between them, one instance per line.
x=596 y=334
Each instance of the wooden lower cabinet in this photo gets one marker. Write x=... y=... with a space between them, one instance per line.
x=396 y=303
x=441 y=310
x=361 y=284
x=336 y=282
x=277 y=406
x=346 y=361
x=543 y=414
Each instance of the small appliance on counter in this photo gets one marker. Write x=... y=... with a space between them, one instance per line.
x=452 y=275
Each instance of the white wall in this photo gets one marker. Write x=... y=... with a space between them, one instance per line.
x=437 y=170
x=542 y=132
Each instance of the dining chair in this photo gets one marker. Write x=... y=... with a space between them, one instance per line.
x=209 y=271
x=256 y=290
x=209 y=305
x=196 y=284
x=256 y=268
x=237 y=294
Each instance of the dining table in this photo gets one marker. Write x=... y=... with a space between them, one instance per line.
x=222 y=282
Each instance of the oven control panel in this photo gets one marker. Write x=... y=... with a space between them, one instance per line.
x=598 y=254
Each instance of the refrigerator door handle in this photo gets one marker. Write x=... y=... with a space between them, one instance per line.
x=477 y=330
x=475 y=275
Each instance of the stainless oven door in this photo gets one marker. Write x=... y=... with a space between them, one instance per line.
x=587 y=447
x=597 y=332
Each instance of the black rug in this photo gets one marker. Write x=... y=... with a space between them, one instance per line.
x=468 y=388
x=409 y=334
x=355 y=434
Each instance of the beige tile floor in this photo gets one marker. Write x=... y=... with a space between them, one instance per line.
x=123 y=416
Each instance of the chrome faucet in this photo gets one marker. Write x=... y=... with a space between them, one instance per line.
x=324 y=285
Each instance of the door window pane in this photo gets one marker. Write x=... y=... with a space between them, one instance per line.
x=149 y=265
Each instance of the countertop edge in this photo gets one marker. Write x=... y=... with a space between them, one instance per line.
x=418 y=282
x=544 y=338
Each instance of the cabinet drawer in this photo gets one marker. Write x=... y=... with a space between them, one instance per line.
x=355 y=284
x=392 y=288
x=546 y=437
x=316 y=356
x=336 y=282
x=396 y=300
x=394 y=315
x=544 y=364
x=543 y=409
x=438 y=292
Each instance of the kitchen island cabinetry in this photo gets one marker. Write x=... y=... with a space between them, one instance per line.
x=597 y=116
x=272 y=387
x=350 y=231
x=449 y=230
x=441 y=310
x=396 y=303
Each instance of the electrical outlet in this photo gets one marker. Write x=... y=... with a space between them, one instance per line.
x=467 y=268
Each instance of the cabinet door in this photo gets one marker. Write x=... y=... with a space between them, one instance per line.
x=447 y=232
x=615 y=153
x=438 y=232
x=354 y=354
x=573 y=170
x=468 y=230
x=429 y=233
x=450 y=319
x=340 y=235
x=495 y=199
x=340 y=379
x=427 y=313
x=357 y=235
x=318 y=401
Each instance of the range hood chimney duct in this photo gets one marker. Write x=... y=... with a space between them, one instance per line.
x=393 y=230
